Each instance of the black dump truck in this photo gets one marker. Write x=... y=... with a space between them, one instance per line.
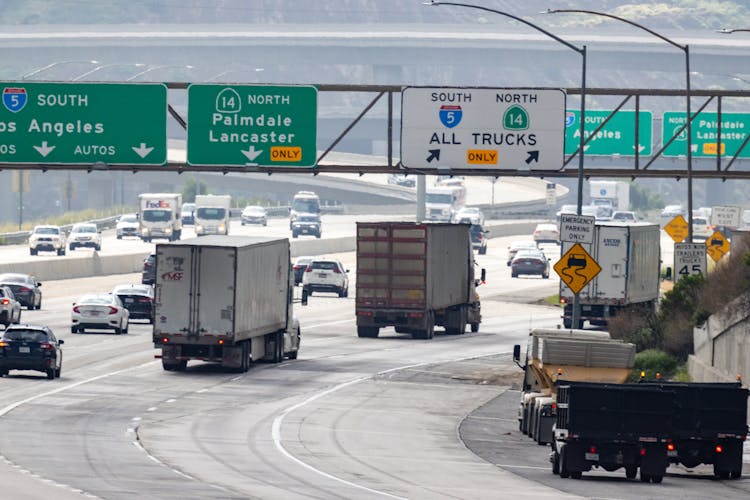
x=648 y=425
x=709 y=426
x=612 y=426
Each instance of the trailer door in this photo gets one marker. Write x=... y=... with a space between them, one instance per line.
x=215 y=285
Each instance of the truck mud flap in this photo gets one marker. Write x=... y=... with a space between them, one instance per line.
x=171 y=353
x=231 y=356
x=654 y=459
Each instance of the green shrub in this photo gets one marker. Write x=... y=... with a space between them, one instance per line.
x=652 y=361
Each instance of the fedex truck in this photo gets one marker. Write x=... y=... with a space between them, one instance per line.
x=159 y=216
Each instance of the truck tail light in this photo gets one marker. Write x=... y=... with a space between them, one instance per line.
x=592 y=449
x=364 y=313
x=719 y=448
x=643 y=452
x=416 y=315
x=670 y=446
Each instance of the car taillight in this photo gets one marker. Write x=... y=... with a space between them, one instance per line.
x=297 y=268
x=5 y=302
x=336 y=270
x=113 y=310
x=308 y=270
x=145 y=300
x=3 y=343
x=23 y=289
x=45 y=346
x=76 y=310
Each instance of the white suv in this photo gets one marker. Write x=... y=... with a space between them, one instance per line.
x=85 y=235
x=325 y=275
x=48 y=238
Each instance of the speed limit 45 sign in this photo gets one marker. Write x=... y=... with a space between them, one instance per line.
x=689 y=259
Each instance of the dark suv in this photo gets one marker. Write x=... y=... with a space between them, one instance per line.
x=28 y=347
x=138 y=300
x=479 y=238
x=148 y=275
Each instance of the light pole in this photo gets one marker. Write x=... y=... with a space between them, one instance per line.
x=104 y=66
x=582 y=51
x=154 y=68
x=52 y=65
x=686 y=49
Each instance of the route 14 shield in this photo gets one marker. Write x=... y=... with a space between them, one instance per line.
x=14 y=98
x=450 y=116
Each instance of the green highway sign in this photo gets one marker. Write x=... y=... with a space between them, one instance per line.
x=617 y=137
x=734 y=129
x=83 y=123
x=238 y=125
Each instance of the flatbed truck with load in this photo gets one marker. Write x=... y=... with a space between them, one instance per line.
x=578 y=355
x=415 y=276
x=224 y=299
x=629 y=256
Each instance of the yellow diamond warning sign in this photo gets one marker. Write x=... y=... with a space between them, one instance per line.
x=717 y=245
x=677 y=228
x=576 y=268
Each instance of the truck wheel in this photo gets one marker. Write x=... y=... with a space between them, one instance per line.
x=556 y=463
x=645 y=477
x=735 y=474
x=61 y=251
x=33 y=251
x=576 y=475
x=474 y=327
x=483 y=251
x=631 y=471
x=514 y=275
x=657 y=479
x=293 y=354
x=567 y=323
x=279 y=348
x=368 y=331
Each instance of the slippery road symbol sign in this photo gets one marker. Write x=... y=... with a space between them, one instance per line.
x=577 y=268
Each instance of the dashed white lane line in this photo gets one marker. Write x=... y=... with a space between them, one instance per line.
x=7 y=409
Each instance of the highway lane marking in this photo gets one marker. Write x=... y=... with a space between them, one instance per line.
x=7 y=409
x=279 y=420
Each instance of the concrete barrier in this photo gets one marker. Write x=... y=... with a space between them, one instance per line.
x=92 y=264
x=95 y=264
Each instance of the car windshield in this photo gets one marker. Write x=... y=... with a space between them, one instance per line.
x=95 y=299
x=326 y=266
x=129 y=218
x=25 y=335
x=701 y=221
x=157 y=215
x=308 y=218
x=569 y=209
x=211 y=213
x=188 y=207
x=84 y=229
x=527 y=254
x=254 y=210
x=523 y=244
x=47 y=230
x=309 y=205
x=132 y=290
x=438 y=198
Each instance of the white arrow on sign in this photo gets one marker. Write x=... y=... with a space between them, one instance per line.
x=44 y=150
x=251 y=154
x=142 y=151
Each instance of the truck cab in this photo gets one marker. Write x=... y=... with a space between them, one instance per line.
x=304 y=202
x=212 y=214
x=442 y=202
x=159 y=215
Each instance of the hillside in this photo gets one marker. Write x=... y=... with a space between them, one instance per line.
x=666 y=14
